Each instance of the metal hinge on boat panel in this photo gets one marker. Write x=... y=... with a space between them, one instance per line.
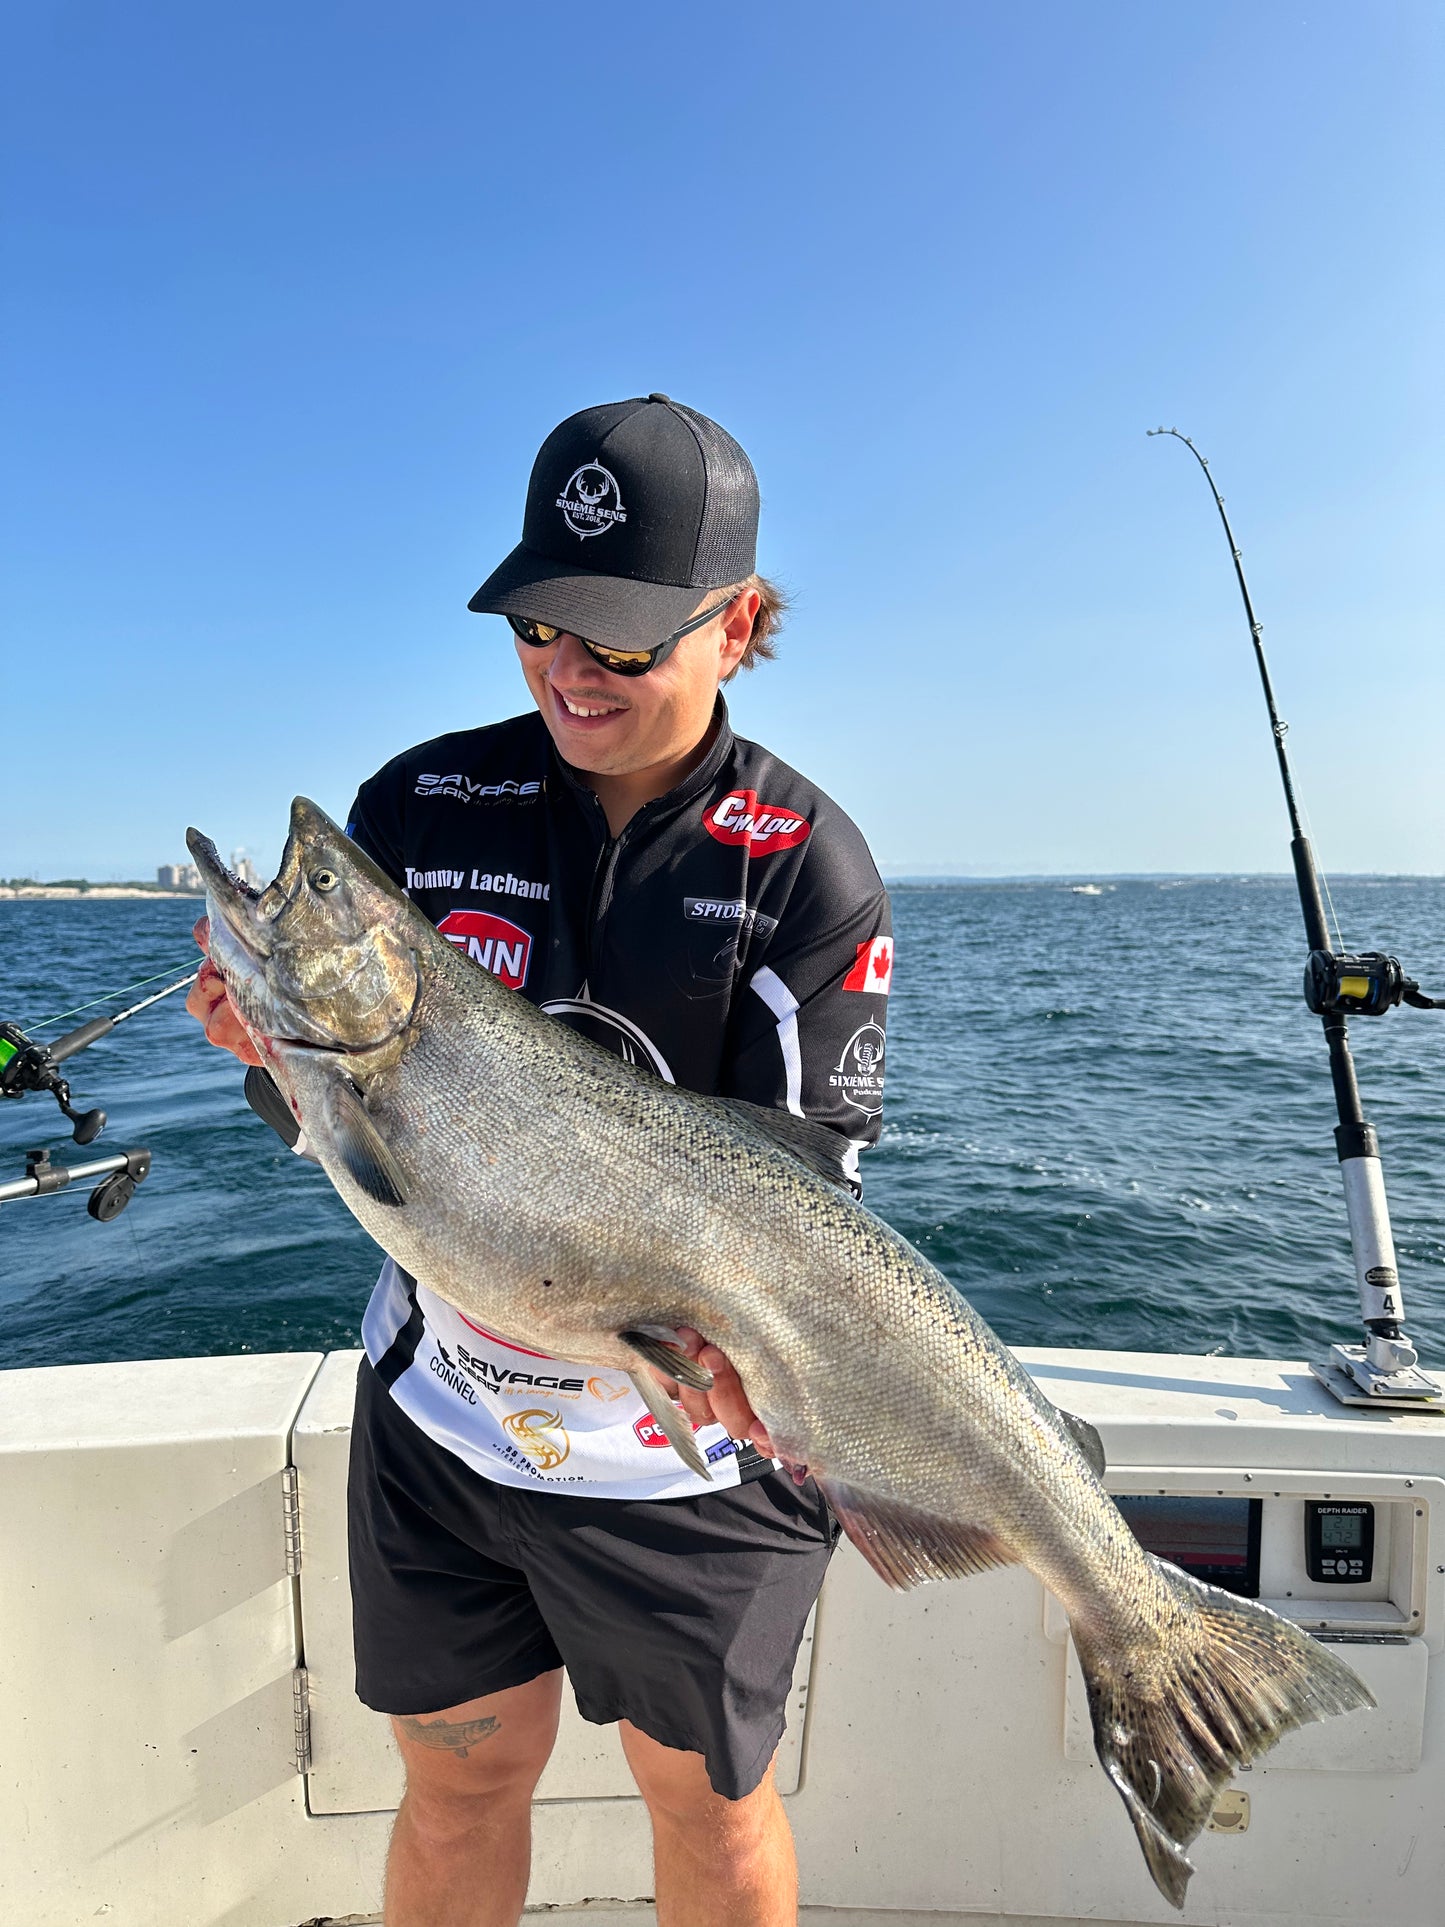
x=291 y=1518
x=301 y=1714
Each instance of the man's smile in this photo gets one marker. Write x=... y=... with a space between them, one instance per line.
x=585 y=709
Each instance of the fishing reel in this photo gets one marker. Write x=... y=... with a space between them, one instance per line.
x=27 y=1066
x=1364 y=985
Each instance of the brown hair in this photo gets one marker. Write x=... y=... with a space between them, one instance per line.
x=772 y=608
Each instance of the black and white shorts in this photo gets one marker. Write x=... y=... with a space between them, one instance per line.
x=683 y=1616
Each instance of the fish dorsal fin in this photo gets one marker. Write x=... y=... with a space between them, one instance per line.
x=667 y=1418
x=905 y=1546
x=1086 y=1438
x=818 y=1146
x=362 y=1150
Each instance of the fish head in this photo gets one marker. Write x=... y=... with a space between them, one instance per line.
x=322 y=957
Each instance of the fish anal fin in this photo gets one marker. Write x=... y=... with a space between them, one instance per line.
x=668 y=1359
x=667 y=1418
x=905 y=1546
x=362 y=1149
x=1086 y=1438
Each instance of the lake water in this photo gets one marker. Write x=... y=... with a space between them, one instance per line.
x=1108 y=1121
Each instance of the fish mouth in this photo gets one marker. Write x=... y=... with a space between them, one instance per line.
x=254 y=944
x=237 y=901
x=248 y=911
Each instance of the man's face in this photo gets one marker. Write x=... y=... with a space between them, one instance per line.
x=614 y=725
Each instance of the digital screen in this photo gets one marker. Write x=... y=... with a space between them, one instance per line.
x=1342 y=1529
x=1215 y=1539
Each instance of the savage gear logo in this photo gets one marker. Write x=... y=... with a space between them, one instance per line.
x=759 y=828
x=496 y=944
x=591 y=503
x=607 y=1389
x=463 y=790
x=859 y=1075
x=541 y=1435
x=872 y=967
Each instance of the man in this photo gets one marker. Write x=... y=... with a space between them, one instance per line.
x=683 y=897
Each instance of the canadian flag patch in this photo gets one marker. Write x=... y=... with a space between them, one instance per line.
x=872 y=967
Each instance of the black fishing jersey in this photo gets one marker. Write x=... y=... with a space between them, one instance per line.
x=735 y=939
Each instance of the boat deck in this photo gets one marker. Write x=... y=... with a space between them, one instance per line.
x=177 y=1677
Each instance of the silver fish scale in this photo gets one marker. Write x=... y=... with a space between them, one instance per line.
x=561 y=1197
x=535 y=1155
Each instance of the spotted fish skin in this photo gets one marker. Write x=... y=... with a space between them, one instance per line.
x=564 y=1199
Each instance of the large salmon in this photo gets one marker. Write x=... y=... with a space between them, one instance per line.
x=583 y=1208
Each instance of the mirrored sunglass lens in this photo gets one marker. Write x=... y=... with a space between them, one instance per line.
x=543 y=631
x=623 y=659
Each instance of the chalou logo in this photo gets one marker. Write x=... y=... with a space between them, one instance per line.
x=494 y=942
x=591 y=503
x=761 y=828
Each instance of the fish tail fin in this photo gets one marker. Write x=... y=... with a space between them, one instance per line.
x=1172 y=1726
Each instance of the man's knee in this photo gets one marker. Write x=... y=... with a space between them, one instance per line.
x=485 y=1752
x=679 y=1795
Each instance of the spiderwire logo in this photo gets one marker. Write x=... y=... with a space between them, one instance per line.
x=591 y=502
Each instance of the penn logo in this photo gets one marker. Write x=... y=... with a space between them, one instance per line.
x=761 y=829
x=649 y=1432
x=494 y=942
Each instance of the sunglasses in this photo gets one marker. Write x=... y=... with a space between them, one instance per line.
x=622 y=662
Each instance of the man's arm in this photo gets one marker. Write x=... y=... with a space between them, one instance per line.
x=808 y=1037
x=810 y=1019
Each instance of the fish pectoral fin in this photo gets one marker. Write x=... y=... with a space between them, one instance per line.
x=1086 y=1438
x=668 y=1419
x=905 y=1546
x=818 y=1146
x=363 y=1151
x=667 y=1359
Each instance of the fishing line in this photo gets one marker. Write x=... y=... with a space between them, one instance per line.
x=106 y=996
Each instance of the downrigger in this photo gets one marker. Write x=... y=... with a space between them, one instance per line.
x=28 y=1066
x=1339 y=984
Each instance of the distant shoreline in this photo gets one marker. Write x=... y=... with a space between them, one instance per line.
x=73 y=893
x=897 y=880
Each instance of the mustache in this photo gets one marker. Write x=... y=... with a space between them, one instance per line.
x=603 y=698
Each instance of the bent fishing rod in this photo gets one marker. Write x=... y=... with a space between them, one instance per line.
x=1338 y=985
x=27 y=1066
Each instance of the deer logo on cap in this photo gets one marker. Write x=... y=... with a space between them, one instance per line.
x=591 y=503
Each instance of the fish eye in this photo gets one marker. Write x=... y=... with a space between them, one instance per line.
x=324 y=879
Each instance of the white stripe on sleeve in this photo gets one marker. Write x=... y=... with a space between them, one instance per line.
x=784 y=1006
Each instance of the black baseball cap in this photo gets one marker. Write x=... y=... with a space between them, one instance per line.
x=634 y=510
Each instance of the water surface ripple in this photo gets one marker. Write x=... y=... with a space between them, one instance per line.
x=1109 y=1122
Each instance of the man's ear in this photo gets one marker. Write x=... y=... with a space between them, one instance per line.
x=737 y=631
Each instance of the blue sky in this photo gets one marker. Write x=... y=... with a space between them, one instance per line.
x=292 y=294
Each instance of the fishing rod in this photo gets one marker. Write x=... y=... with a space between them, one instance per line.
x=27 y=1066
x=1337 y=985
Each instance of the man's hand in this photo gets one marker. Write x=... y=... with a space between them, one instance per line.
x=726 y=1404
x=210 y=1004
